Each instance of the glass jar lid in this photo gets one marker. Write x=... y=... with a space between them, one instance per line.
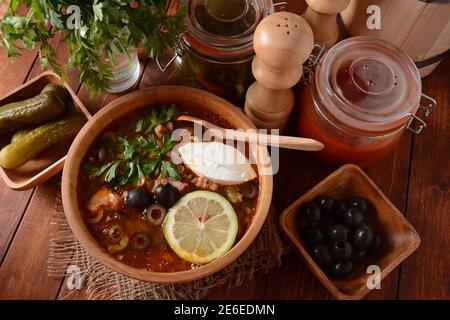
x=369 y=84
x=224 y=28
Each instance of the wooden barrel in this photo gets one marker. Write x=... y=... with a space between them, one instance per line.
x=420 y=28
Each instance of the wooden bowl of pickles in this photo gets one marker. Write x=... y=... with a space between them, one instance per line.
x=38 y=122
x=151 y=199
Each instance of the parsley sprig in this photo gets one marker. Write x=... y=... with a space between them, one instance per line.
x=107 y=28
x=144 y=156
x=152 y=119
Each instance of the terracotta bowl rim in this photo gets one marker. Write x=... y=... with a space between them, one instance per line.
x=70 y=181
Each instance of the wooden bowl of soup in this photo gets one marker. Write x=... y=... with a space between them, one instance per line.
x=114 y=222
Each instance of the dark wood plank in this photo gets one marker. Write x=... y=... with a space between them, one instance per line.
x=23 y=272
x=425 y=274
x=13 y=204
x=298 y=173
x=392 y=176
x=250 y=290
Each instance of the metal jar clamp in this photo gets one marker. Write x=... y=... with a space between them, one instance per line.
x=416 y=124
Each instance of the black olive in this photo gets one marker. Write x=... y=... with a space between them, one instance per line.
x=140 y=241
x=342 y=250
x=138 y=198
x=351 y=236
x=359 y=255
x=326 y=203
x=375 y=245
x=321 y=255
x=360 y=203
x=326 y=223
x=338 y=232
x=342 y=268
x=166 y=195
x=352 y=217
x=363 y=237
x=338 y=209
x=312 y=235
x=311 y=212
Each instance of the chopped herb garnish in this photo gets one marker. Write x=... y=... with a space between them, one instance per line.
x=112 y=171
x=169 y=167
x=97 y=171
x=152 y=119
x=140 y=157
x=149 y=166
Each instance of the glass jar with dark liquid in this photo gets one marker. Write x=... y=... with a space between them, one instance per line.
x=216 y=51
x=364 y=94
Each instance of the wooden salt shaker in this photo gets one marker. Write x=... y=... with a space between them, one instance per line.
x=321 y=16
x=283 y=42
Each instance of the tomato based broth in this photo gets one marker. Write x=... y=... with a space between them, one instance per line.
x=125 y=231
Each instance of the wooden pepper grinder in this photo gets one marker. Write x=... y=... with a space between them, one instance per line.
x=321 y=16
x=283 y=41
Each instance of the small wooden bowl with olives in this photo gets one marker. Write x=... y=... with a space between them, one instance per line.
x=346 y=230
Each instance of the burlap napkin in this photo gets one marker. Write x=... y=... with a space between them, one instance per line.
x=102 y=283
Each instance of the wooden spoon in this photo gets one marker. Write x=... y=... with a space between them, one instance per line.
x=285 y=142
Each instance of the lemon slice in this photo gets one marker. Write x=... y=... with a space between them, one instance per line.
x=201 y=227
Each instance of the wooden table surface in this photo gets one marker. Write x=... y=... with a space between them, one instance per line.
x=416 y=178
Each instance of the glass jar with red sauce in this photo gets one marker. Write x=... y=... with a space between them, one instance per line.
x=216 y=51
x=364 y=94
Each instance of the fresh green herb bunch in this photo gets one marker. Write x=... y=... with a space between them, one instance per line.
x=102 y=30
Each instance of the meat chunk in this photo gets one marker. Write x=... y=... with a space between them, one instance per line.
x=160 y=131
x=103 y=199
x=203 y=183
x=169 y=126
x=181 y=186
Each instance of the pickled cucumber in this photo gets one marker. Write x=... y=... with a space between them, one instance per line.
x=18 y=153
x=60 y=91
x=48 y=105
x=21 y=133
